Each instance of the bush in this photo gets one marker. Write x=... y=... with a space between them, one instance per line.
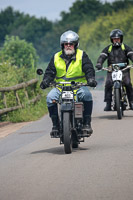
x=11 y=75
x=31 y=112
x=19 y=52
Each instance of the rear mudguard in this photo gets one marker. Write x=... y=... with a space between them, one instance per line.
x=117 y=85
x=66 y=107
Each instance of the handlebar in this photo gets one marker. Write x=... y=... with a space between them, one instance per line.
x=109 y=69
x=127 y=67
x=73 y=84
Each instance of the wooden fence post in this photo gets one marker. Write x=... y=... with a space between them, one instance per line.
x=17 y=98
x=4 y=99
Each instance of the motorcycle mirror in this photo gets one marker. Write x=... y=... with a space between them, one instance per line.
x=72 y=82
x=39 y=71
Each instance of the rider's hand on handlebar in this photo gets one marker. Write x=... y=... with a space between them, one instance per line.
x=98 y=66
x=91 y=82
x=44 y=84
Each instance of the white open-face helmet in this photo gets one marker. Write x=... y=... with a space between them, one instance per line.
x=69 y=37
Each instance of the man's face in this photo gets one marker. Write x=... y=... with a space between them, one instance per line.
x=116 y=40
x=69 y=49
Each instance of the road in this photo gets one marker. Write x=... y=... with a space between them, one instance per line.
x=34 y=167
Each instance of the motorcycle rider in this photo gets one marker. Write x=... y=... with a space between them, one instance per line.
x=70 y=64
x=115 y=53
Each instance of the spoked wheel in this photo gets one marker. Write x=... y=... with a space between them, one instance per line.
x=118 y=104
x=67 y=133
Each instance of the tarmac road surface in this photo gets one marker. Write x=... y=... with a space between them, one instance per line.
x=34 y=167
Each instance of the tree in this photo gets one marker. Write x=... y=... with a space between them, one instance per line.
x=95 y=36
x=7 y=18
x=44 y=34
x=19 y=52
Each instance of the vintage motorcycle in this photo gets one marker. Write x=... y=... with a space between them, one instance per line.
x=70 y=111
x=119 y=101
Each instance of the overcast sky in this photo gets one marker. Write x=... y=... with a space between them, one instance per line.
x=50 y=9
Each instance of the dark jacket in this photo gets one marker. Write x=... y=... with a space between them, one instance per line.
x=117 y=55
x=87 y=67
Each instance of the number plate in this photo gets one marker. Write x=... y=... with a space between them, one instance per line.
x=67 y=95
x=117 y=76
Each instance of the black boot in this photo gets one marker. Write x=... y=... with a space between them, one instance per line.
x=131 y=105
x=108 y=106
x=55 y=128
x=53 y=113
x=87 y=118
x=87 y=125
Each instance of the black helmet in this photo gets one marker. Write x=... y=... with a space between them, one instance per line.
x=69 y=37
x=116 y=33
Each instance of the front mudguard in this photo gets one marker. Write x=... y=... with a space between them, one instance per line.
x=117 y=85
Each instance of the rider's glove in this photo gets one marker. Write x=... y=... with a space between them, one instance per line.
x=98 y=66
x=44 y=84
x=91 y=82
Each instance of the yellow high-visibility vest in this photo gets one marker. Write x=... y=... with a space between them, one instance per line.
x=110 y=47
x=74 y=71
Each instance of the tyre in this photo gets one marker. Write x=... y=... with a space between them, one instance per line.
x=118 y=104
x=67 y=133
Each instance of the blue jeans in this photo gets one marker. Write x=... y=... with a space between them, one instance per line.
x=83 y=94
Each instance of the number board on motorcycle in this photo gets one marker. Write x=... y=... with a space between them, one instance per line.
x=67 y=95
x=117 y=76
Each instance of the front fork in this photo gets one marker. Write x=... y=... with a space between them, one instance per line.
x=118 y=85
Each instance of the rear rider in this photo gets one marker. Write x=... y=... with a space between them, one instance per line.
x=117 y=52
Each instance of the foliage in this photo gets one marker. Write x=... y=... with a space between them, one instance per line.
x=45 y=35
x=82 y=10
x=23 y=35
x=14 y=23
x=30 y=113
x=7 y=18
x=11 y=75
x=95 y=36
x=19 y=52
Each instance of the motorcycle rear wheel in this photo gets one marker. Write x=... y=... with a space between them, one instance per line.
x=118 y=104
x=67 y=135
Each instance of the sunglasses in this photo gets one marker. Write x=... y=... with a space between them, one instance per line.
x=68 y=44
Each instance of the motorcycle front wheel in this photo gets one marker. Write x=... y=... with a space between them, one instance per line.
x=118 y=104
x=67 y=135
